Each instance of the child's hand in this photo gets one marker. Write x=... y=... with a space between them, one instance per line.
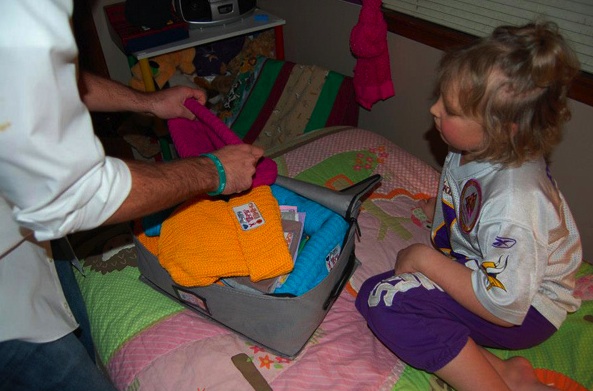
x=428 y=206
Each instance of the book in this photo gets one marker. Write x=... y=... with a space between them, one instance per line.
x=293 y=232
x=288 y=212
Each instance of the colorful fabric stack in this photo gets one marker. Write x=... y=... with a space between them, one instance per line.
x=275 y=101
x=325 y=231
x=206 y=238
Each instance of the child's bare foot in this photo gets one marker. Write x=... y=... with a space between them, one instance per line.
x=519 y=375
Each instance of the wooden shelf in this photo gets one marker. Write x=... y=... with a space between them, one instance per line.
x=253 y=22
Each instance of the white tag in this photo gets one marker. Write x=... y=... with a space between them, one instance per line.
x=248 y=216
x=332 y=258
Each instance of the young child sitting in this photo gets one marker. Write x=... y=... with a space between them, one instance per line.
x=506 y=248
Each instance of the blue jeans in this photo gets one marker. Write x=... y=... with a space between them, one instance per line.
x=62 y=365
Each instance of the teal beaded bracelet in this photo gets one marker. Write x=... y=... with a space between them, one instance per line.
x=221 y=174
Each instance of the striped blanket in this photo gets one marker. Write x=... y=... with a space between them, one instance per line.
x=273 y=102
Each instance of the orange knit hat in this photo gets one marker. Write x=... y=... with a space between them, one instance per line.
x=206 y=239
x=259 y=230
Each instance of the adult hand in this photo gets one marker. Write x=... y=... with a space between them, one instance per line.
x=168 y=103
x=239 y=163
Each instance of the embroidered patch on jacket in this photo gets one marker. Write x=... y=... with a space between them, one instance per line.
x=471 y=203
x=248 y=216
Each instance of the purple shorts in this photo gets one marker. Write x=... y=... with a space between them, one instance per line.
x=426 y=328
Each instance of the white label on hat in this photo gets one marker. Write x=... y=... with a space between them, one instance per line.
x=248 y=216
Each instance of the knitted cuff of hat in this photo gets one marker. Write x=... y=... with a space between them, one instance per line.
x=326 y=230
x=198 y=244
x=259 y=230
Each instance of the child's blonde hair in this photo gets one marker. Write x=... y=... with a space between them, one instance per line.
x=515 y=83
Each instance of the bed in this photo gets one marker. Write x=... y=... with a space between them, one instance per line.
x=145 y=341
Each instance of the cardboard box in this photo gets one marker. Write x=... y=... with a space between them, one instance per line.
x=130 y=38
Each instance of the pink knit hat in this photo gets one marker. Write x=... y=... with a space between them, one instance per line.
x=368 y=42
x=208 y=133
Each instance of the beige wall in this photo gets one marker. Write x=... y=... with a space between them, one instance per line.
x=317 y=32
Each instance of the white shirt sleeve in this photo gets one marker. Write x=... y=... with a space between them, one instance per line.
x=53 y=169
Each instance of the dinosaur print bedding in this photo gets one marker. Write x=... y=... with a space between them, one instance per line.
x=145 y=341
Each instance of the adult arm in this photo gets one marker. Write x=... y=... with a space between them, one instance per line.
x=158 y=186
x=101 y=94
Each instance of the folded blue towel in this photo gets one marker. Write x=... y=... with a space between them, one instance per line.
x=326 y=231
